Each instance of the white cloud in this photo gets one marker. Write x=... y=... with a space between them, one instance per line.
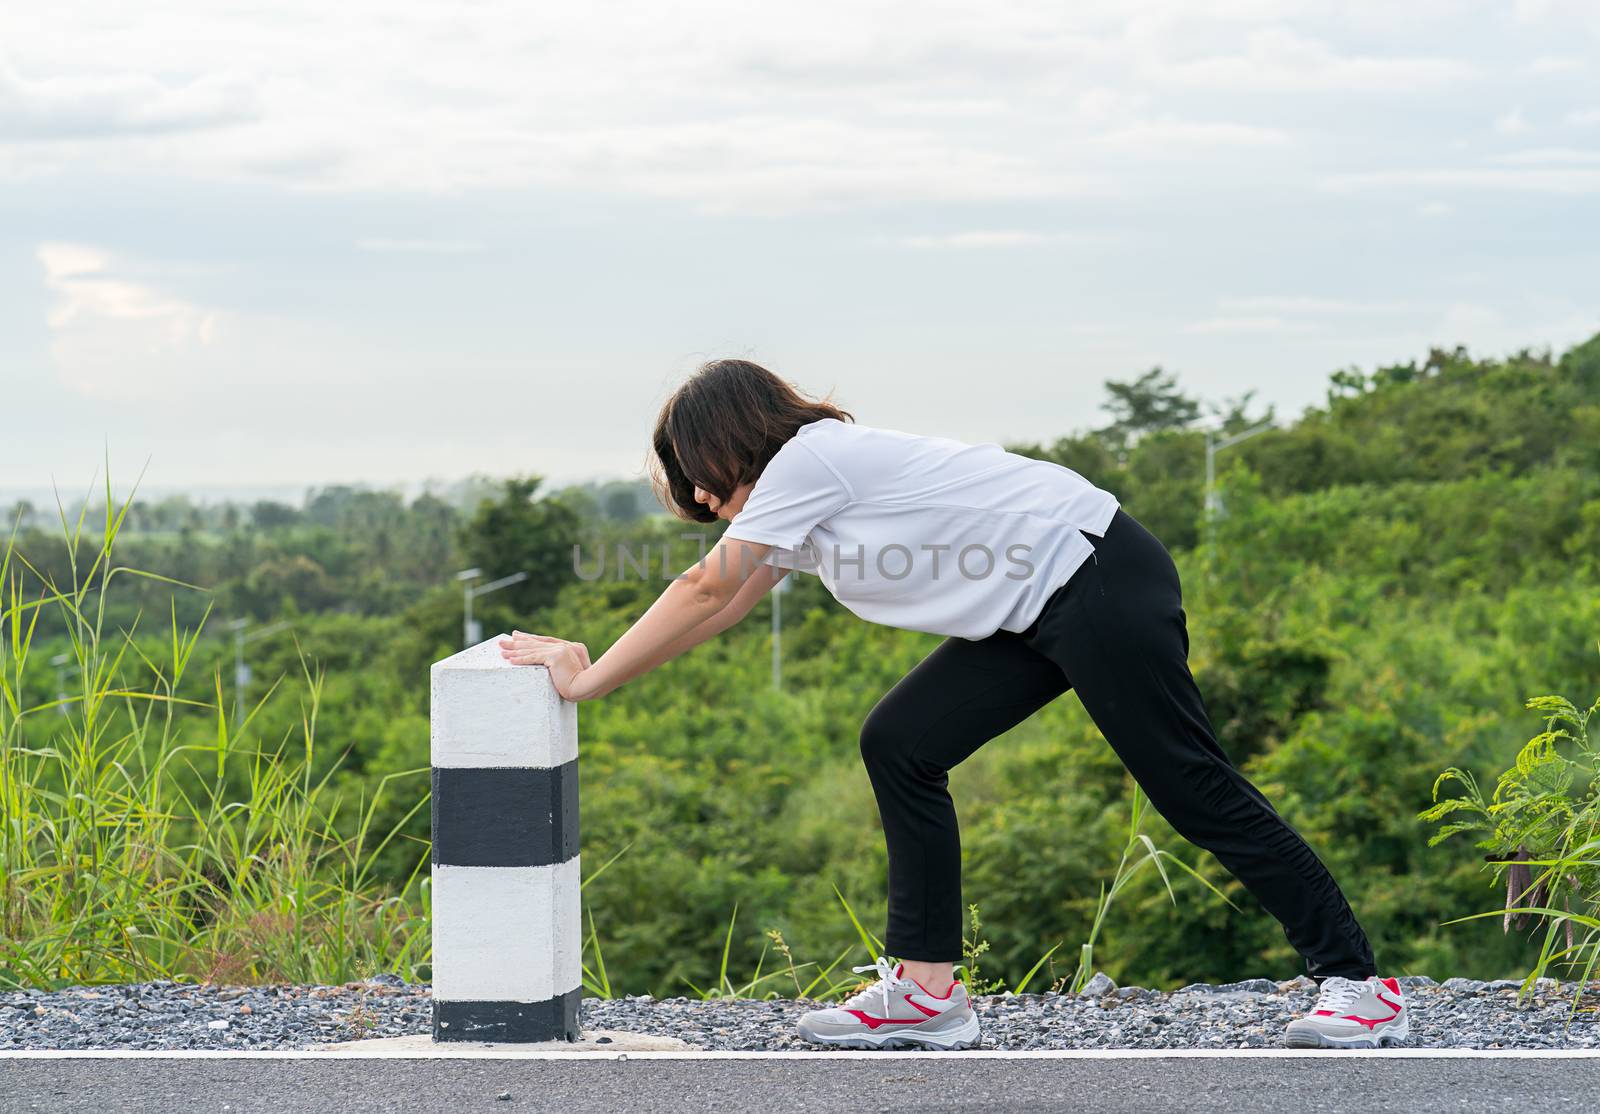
x=420 y=247
x=1263 y=323
x=1570 y=14
x=1105 y=104
x=986 y=239
x=1157 y=136
x=1279 y=59
x=975 y=135
x=1550 y=156
x=1508 y=326
x=1287 y=314
x=1295 y=304
x=716 y=104
x=1511 y=123
x=111 y=104
x=777 y=165
x=1531 y=180
x=117 y=333
x=111 y=337
x=1555 y=64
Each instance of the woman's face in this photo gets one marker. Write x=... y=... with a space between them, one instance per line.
x=733 y=506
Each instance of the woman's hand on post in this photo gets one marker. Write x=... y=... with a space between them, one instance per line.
x=565 y=660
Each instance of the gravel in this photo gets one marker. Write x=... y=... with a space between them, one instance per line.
x=168 y=1015
x=1460 y=1013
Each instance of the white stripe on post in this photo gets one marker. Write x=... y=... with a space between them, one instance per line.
x=507 y=963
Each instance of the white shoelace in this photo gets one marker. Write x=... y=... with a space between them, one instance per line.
x=1339 y=993
x=887 y=983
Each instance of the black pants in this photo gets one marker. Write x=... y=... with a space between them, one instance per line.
x=1116 y=633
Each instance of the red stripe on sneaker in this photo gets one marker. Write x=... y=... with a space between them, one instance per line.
x=1373 y=1022
x=873 y=1022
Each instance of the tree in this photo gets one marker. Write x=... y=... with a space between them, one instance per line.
x=296 y=578
x=518 y=533
x=621 y=505
x=1235 y=413
x=1148 y=404
x=21 y=514
x=268 y=515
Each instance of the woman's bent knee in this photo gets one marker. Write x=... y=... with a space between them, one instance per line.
x=885 y=745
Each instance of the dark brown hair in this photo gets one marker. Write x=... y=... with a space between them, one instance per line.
x=719 y=430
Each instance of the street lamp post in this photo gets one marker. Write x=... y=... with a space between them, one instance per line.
x=466 y=576
x=471 y=629
x=60 y=662
x=241 y=671
x=777 y=631
x=1213 y=503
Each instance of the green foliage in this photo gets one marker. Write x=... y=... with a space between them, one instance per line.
x=1150 y=404
x=1541 y=827
x=518 y=533
x=1444 y=419
x=1139 y=852
x=1393 y=573
x=129 y=853
x=972 y=947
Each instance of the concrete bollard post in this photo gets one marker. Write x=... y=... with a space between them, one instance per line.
x=507 y=944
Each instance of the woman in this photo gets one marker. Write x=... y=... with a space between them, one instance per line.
x=1040 y=583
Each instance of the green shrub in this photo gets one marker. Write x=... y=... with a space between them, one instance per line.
x=1541 y=829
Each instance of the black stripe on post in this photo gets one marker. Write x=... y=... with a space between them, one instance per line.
x=553 y=1019
x=505 y=815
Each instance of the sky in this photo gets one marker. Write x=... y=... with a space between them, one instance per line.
x=291 y=244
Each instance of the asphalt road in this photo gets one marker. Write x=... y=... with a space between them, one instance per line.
x=884 y=1082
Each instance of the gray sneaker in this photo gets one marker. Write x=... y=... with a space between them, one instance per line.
x=894 y=1012
x=1353 y=1013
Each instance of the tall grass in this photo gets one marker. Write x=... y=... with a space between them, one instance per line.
x=143 y=835
x=1541 y=829
x=1138 y=852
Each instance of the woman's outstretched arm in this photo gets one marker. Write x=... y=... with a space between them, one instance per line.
x=697 y=596
x=759 y=584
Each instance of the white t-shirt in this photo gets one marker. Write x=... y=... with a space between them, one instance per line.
x=923 y=533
